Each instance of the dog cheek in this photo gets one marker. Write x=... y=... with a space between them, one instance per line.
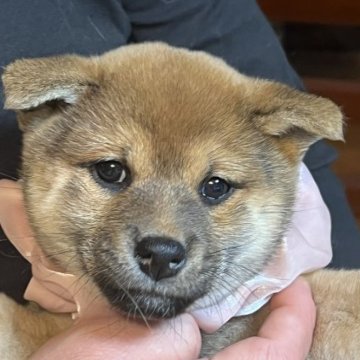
x=243 y=241
x=79 y=208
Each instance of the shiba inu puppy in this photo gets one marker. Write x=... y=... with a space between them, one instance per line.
x=163 y=176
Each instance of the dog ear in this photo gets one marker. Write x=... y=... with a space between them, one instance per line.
x=38 y=88
x=295 y=118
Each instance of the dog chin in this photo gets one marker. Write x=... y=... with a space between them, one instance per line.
x=138 y=303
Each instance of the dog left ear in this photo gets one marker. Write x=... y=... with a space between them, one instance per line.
x=39 y=88
x=295 y=118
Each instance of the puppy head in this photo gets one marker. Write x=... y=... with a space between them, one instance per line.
x=160 y=174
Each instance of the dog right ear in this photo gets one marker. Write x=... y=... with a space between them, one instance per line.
x=294 y=119
x=39 y=88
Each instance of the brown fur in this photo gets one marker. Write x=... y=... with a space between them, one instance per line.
x=24 y=329
x=174 y=118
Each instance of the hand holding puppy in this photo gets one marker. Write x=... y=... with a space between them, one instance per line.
x=286 y=333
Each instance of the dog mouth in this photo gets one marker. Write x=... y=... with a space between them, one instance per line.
x=145 y=304
x=140 y=294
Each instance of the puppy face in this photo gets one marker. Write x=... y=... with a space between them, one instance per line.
x=160 y=174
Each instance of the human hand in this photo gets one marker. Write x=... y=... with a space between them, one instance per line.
x=13 y=219
x=121 y=338
x=286 y=333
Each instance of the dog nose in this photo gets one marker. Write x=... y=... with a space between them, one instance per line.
x=160 y=257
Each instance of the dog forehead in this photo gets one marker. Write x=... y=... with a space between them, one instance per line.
x=165 y=106
x=171 y=91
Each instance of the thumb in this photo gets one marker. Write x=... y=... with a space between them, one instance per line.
x=13 y=219
x=120 y=338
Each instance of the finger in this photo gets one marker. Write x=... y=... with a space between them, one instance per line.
x=253 y=348
x=291 y=321
x=13 y=217
x=9 y=184
x=177 y=339
x=286 y=333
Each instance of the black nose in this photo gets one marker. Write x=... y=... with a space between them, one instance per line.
x=160 y=257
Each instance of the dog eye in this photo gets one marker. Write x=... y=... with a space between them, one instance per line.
x=215 y=190
x=110 y=172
